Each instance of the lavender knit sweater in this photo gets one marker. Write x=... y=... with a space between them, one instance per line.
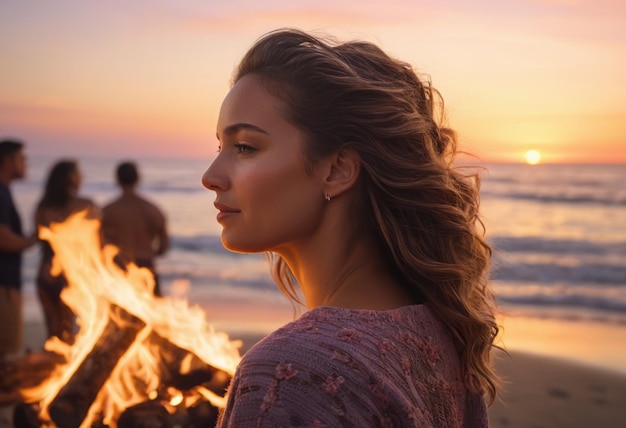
x=337 y=367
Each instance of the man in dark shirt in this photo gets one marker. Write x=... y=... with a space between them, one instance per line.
x=12 y=243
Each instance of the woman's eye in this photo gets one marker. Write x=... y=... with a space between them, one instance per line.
x=244 y=148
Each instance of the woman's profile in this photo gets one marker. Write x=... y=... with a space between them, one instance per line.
x=60 y=199
x=334 y=160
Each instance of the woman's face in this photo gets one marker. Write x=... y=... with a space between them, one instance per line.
x=74 y=179
x=267 y=200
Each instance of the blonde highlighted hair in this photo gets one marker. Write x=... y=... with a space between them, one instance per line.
x=423 y=210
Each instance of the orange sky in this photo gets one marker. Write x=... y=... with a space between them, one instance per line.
x=146 y=78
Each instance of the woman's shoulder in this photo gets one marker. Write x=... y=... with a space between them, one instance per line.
x=298 y=373
x=294 y=339
x=304 y=345
x=355 y=361
x=347 y=325
x=329 y=332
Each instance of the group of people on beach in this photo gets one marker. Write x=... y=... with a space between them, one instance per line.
x=136 y=226
x=335 y=160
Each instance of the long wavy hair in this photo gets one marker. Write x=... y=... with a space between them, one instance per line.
x=423 y=210
x=59 y=185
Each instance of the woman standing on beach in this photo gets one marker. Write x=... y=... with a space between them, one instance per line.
x=334 y=162
x=60 y=199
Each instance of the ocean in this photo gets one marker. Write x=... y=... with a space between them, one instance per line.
x=558 y=232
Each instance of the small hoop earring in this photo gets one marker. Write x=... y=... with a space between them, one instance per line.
x=327 y=197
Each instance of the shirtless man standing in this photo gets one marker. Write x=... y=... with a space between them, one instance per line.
x=134 y=225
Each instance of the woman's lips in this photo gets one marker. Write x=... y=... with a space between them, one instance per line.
x=225 y=211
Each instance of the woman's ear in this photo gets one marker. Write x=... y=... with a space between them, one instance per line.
x=341 y=172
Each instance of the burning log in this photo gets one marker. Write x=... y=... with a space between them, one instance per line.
x=28 y=371
x=148 y=414
x=151 y=414
x=198 y=373
x=71 y=404
x=151 y=357
x=25 y=416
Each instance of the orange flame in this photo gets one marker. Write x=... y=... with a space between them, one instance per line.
x=96 y=283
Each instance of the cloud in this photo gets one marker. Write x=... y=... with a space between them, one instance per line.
x=248 y=16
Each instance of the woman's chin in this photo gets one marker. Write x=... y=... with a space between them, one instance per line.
x=239 y=246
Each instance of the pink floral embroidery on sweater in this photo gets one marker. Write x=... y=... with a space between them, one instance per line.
x=333 y=383
x=379 y=394
x=406 y=365
x=307 y=324
x=430 y=350
x=405 y=337
x=284 y=371
x=347 y=334
x=385 y=347
x=270 y=398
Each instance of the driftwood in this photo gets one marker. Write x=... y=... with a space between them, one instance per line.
x=72 y=402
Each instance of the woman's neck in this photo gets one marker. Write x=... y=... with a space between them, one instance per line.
x=350 y=273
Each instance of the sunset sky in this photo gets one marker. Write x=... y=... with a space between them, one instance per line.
x=147 y=77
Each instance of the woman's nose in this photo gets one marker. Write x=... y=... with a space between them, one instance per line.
x=214 y=178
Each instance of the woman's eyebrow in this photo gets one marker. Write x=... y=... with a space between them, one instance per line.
x=236 y=127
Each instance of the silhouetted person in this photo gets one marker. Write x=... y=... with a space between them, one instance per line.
x=60 y=200
x=134 y=225
x=12 y=243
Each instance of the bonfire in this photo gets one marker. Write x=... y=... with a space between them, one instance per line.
x=134 y=354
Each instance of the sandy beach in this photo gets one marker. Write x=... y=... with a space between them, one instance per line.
x=538 y=391
x=548 y=392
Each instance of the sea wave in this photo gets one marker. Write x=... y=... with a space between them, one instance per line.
x=556 y=246
x=205 y=279
x=567 y=181
x=208 y=243
x=604 y=299
x=199 y=243
x=212 y=242
x=609 y=199
x=152 y=188
x=170 y=188
x=597 y=302
x=549 y=261
x=554 y=273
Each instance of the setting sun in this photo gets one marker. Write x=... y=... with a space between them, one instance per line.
x=533 y=157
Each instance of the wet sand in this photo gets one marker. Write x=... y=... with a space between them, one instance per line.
x=544 y=392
